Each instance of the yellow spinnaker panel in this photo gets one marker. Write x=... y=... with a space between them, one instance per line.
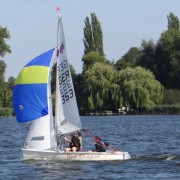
x=33 y=75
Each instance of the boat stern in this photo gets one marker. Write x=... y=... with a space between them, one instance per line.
x=126 y=156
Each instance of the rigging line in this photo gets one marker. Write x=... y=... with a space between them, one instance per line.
x=108 y=147
x=112 y=151
x=91 y=142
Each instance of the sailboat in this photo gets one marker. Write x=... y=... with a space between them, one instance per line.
x=32 y=102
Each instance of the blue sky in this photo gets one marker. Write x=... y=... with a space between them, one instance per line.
x=125 y=23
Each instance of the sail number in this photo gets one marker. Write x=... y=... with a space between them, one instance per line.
x=65 y=85
x=63 y=65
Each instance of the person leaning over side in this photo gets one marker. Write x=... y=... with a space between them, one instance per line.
x=99 y=146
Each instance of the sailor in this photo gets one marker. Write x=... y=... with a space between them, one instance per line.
x=76 y=142
x=80 y=140
x=99 y=146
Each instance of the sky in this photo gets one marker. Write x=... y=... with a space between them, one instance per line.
x=125 y=23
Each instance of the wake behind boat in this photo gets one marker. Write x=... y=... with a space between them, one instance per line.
x=32 y=102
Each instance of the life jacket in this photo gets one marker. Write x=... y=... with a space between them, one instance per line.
x=75 y=142
x=100 y=147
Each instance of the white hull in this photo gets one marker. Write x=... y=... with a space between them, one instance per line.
x=74 y=156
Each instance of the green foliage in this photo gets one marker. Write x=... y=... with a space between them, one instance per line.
x=165 y=109
x=147 y=59
x=90 y=59
x=139 y=88
x=5 y=95
x=171 y=97
x=93 y=37
x=4 y=48
x=91 y=106
x=5 y=91
x=88 y=37
x=170 y=46
x=11 y=82
x=173 y=21
x=6 y=112
x=100 y=87
x=74 y=77
x=2 y=70
x=97 y=35
x=129 y=59
x=82 y=94
x=104 y=85
x=53 y=78
x=161 y=58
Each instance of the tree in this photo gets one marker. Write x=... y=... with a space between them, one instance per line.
x=4 y=48
x=101 y=87
x=74 y=77
x=147 y=59
x=129 y=59
x=53 y=78
x=173 y=21
x=138 y=88
x=93 y=36
x=88 y=37
x=2 y=70
x=168 y=55
x=97 y=35
x=11 y=82
x=90 y=59
x=163 y=58
x=169 y=46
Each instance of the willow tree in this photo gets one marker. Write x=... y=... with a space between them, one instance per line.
x=101 y=87
x=93 y=36
x=139 y=88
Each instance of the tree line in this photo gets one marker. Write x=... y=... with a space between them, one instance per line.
x=141 y=79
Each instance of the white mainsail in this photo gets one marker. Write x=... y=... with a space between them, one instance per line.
x=66 y=112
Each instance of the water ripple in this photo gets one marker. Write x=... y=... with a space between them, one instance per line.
x=152 y=141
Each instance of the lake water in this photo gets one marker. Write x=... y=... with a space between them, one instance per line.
x=152 y=141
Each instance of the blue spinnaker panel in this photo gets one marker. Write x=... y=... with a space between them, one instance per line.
x=42 y=60
x=30 y=101
x=30 y=91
